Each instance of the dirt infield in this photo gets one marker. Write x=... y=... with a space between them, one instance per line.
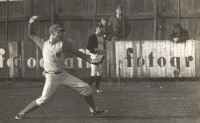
x=138 y=102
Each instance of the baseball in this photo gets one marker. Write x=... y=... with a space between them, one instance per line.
x=36 y=17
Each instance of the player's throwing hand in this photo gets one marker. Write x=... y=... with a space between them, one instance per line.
x=33 y=18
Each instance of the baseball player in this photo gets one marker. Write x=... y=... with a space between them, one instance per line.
x=96 y=46
x=55 y=74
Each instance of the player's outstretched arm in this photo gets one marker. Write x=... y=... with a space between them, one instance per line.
x=67 y=48
x=32 y=36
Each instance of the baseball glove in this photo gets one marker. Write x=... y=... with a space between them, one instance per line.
x=100 y=52
x=99 y=59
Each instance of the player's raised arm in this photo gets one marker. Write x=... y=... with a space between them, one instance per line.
x=32 y=36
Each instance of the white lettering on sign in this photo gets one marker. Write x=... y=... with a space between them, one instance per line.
x=69 y=62
x=17 y=61
x=80 y=61
x=2 y=52
x=42 y=63
x=31 y=62
x=9 y=62
x=87 y=64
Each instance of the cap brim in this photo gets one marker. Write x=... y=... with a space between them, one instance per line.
x=61 y=29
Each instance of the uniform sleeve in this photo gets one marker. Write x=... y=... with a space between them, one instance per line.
x=68 y=48
x=37 y=40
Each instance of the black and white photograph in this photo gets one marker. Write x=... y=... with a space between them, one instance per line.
x=99 y=61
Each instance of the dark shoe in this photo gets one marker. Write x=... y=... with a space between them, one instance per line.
x=20 y=116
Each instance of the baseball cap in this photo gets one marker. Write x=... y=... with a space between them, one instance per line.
x=99 y=25
x=119 y=7
x=177 y=25
x=56 y=27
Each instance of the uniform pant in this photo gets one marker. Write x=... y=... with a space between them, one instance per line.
x=53 y=81
x=95 y=70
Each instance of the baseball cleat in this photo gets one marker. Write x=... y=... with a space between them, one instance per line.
x=99 y=113
x=20 y=116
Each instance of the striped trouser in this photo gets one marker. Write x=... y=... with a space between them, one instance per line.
x=95 y=70
x=53 y=81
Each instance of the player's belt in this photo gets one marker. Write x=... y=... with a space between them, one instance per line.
x=58 y=72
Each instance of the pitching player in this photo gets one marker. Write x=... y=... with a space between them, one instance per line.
x=96 y=45
x=53 y=54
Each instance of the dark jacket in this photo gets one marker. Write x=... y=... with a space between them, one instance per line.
x=116 y=26
x=182 y=36
x=106 y=32
x=93 y=43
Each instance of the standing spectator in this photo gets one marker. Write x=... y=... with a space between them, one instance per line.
x=178 y=34
x=119 y=24
x=96 y=46
x=105 y=32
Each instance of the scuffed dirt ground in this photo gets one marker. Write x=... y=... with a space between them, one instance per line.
x=136 y=102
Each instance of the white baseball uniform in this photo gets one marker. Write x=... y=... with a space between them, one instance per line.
x=54 y=66
x=96 y=70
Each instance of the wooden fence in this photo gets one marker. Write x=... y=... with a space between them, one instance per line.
x=24 y=60
x=156 y=59
x=136 y=59
x=149 y=19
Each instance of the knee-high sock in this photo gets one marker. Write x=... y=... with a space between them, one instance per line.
x=32 y=106
x=89 y=100
x=98 y=82
x=91 y=80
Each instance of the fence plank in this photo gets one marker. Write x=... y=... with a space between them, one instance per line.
x=197 y=59
x=4 y=59
x=15 y=59
x=29 y=69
